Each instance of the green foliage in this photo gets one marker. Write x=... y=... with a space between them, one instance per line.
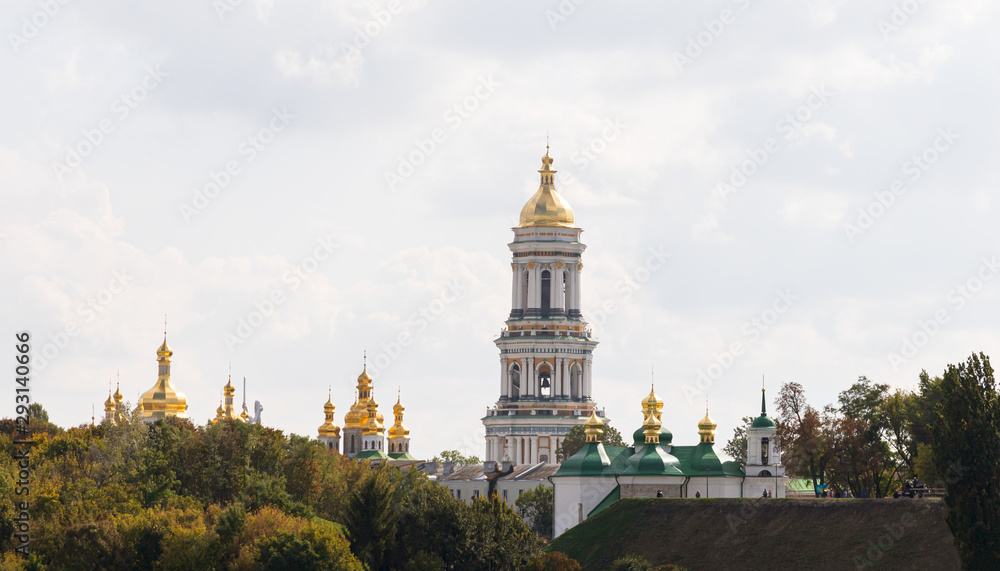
x=555 y=561
x=505 y=542
x=576 y=438
x=537 y=507
x=371 y=521
x=966 y=447
x=37 y=413
x=737 y=445
x=631 y=563
x=456 y=457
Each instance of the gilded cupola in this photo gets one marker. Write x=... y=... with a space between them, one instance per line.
x=546 y=207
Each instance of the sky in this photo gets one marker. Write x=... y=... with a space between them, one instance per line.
x=799 y=191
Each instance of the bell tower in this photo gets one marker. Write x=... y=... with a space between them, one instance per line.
x=546 y=351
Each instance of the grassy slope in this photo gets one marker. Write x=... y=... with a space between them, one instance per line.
x=716 y=534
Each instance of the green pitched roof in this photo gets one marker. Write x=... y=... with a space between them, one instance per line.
x=401 y=456
x=371 y=455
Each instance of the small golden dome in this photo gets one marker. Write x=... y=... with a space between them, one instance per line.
x=398 y=407
x=546 y=207
x=109 y=403
x=594 y=427
x=244 y=416
x=220 y=411
x=229 y=388
x=329 y=406
x=164 y=352
x=364 y=378
x=118 y=394
x=706 y=429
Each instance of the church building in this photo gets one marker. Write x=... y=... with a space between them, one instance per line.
x=598 y=475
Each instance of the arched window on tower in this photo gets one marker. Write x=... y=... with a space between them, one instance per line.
x=546 y=292
x=763 y=452
x=515 y=382
x=545 y=381
x=524 y=291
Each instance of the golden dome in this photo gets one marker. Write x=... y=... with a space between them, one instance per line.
x=109 y=404
x=164 y=352
x=706 y=429
x=355 y=417
x=163 y=399
x=651 y=429
x=398 y=430
x=244 y=416
x=229 y=388
x=652 y=404
x=329 y=406
x=118 y=394
x=364 y=378
x=546 y=207
x=594 y=427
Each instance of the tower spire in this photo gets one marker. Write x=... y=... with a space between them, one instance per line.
x=763 y=400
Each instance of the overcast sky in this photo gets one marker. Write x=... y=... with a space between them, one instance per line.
x=796 y=190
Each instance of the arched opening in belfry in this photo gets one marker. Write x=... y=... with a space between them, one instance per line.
x=546 y=292
x=515 y=381
x=545 y=381
x=763 y=452
x=575 y=380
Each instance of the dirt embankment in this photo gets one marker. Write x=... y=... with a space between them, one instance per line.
x=712 y=534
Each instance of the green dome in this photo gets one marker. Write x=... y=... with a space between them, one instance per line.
x=666 y=437
x=590 y=460
x=762 y=421
x=639 y=437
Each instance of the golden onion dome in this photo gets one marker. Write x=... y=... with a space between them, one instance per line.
x=164 y=352
x=229 y=388
x=109 y=403
x=220 y=411
x=118 y=394
x=652 y=403
x=706 y=429
x=364 y=377
x=354 y=417
x=398 y=407
x=594 y=427
x=546 y=207
x=329 y=406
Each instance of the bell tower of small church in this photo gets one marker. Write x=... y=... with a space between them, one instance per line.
x=546 y=351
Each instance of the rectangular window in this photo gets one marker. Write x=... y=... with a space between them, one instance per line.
x=505 y=495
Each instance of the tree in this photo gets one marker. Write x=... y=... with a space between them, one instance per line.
x=555 y=561
x=537 y=507
x=576 y=438
x=37 y=412
x=802 y=435
x=737 y=445
x=456 y=457
x=371 y=520
x=501 y=539
x=966 y=447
